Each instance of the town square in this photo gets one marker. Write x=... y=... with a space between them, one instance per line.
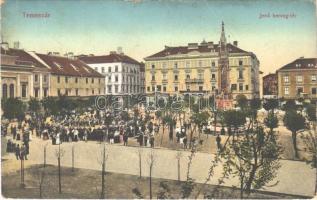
x=158 y=100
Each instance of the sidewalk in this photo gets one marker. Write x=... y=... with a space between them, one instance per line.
x=294 y=177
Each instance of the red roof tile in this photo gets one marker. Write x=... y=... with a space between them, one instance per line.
x=108 y=59
x=22 y=56
x=200 y=48
x=67 y=66
x=301 y=63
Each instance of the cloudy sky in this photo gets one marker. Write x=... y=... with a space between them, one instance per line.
x=143 y=27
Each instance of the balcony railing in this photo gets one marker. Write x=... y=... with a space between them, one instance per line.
x=194 y=80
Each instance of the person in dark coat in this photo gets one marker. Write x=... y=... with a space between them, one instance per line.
x=218 y=140
x=185 y=142
x=125 y=139
x=17 y=152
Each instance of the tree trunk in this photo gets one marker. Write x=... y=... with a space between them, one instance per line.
x=140 y=165
x=151 y=182
x=73 y=155
x=178 y=170
x=294 y=135
x=103 y=174
x=251 y=177
x=162 y=135
x=44 y=156
x=59 y=175
x=241 y=189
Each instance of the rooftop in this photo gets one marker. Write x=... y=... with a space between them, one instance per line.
x=301 y=63
x=111 y=58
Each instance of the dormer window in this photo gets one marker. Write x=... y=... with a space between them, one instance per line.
x=297 y=65
x=74 y=67
x=58 y=65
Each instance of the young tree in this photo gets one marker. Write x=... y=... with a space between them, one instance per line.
x=233 y=119
x=151 y=162
x=310 y=141
x=59 y=154
x=254 y=159
x=270 y=104
x=50 y=105
x=294 y=122
x=13 y=108
x=140 y=161
x=102 y=162
x=34 y=105
x=271 y=121
x=188 y=185
x=242 y=101
x=178 y=157
x=311 y=112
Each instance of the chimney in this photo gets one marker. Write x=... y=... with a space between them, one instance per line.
x=5 y=45
x=166 y=47
x=192 y=45
x=119 y=50
x=69 y=55
x=235 y=43
x=16 y=45
x=56 y=53
x=211 y=45
x=113 y=52
x=91 y=54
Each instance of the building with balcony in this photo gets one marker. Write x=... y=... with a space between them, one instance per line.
x=123 y=75
x=270 y=86
x=22 y=76
x=203 y=68
x=298 y=79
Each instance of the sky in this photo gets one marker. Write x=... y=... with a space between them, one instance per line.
x=144 y=27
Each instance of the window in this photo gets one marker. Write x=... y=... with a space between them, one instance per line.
x=123 y=78
x=188 y=88
x=153 y=89
x=36 y=92
x=96 y=68
x=213 y=64
x=176 y=77
x=45 y=92
x=200 y=76
x=200 y=88
x=92 y=91
x=98 y=91
x=66 y=79
x=200 y=63
x=76 y=91
x=11 y=90
x=286 y=91
x=102 y=70
x=36 y=78
x=148 y=89
x=153 y=78
x=313 y=78
x=4 y=91
x=240 y=86
x=299 y=79
x=240 y=62
x=92 y=80
x=299 y=90
x=164 y=65
x=240 y=74
x=76 y=80
x=58 y=92
x=159 y=88
x=109 y=69
x=187 y=76
x=116 y=68
x=99 y=80
x=87 y=80
x=233 y=87
x=109 y=78
x=109 y=89
x=187 y=64
x=164 y=88
x=314 y=91
x=153 y=66
x=23 y=90
x=176 y=89
x=213 y=76
x=247 y=87
x=286 y=79
x=116 y=78
x=175 y=65
x=58 y=79
x=44 y=78
x=66 y=92
x=164 y=77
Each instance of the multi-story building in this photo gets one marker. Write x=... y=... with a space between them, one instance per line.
x=270 y=86
x=123 y=74
x=71 y=77
x=203 y=68
x=22 y=76
x=298 y=79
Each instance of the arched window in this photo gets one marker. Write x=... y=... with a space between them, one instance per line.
x=4 y=91
x=11 y=91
